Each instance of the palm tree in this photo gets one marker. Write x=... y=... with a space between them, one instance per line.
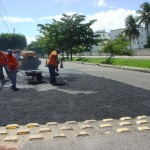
x=144 y=16
x=131 y=29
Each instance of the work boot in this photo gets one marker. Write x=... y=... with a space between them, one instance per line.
x=2 y=82
x=54 y=83
x=15 y=89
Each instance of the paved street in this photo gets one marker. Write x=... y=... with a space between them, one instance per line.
x=89 y=92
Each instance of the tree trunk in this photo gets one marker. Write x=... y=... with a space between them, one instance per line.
x=130 y=42
x=71 y=53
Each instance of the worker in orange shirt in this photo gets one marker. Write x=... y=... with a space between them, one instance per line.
x=53 y=65
x=2 y=63
x=12 y=65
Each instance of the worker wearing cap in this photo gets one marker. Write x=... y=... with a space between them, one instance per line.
x=12 y=65
x=53 y=65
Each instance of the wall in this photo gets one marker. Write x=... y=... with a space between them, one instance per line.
x=142 y=52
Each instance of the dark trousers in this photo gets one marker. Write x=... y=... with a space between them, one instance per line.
x=13 y=76
x=52 y=74
x=1 y=73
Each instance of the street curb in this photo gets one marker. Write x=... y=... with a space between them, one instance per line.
x=117 y=67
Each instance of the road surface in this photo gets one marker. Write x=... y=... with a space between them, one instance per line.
x=98 y=108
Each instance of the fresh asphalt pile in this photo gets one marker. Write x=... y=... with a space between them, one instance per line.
x=82 y=97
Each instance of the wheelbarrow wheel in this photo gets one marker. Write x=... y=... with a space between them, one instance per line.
x=39 y=78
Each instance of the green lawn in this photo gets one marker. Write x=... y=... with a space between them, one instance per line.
x=141 y=63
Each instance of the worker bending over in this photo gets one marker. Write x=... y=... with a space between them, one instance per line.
x=53 y=66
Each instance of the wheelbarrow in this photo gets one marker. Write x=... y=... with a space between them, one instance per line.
x=33 y=76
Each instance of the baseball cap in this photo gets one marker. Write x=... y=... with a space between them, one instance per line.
x=9 y=51
x=58 y=50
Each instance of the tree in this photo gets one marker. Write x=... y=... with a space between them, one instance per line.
x=48 y=40
x=144 y=16
x=12 y=41
x=131 y=29
x=115 y=47
x=68 y=33
x=79 y=50
x=34 y=46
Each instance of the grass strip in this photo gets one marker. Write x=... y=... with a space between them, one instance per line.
x=139 y=63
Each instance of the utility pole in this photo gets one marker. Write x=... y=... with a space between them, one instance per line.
x=14 y=30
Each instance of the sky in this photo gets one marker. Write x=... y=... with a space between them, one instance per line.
x=23 y=16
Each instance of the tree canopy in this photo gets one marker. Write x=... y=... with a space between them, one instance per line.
x=12 y=41
x=67 y=34
x=144 y=15
x=116 y=47
x=34 y=46
x=131 y=29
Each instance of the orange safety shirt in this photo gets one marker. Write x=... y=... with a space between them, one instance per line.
x=11 y=62
x=53 y=59
x=2 y=58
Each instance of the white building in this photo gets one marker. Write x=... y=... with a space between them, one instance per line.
x=115 y=33
x=137 y=43
x=102 y=34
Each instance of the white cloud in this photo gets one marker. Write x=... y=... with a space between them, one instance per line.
x=57 y=17
x=109 y=20
x=112 y=19
x=30 y=39
x=101 y=3
x=46 y=18
x=18 y=19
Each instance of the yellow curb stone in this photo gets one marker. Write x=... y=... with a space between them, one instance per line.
x=107 y=120
x=89 y=121
x=143 y=128
x=141 y=117
x=62 y=135
x=11 y=138
x=66 y=128
x=125 y=118
x=32 y=125
x=105 y=125
x=83 y=133
x=124 y=123
x=85 y=127
x=119 y=130
x=23 y=131
x=71 y=122
x=141 y=121
x=3 y=132
x=52 y=123
x=36 y=137
x=12 y=126
x=44 y=130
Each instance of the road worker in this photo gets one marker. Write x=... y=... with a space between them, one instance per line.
x=53 y=66
x=12 y=65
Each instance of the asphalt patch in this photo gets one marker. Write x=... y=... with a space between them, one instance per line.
x=82 y=97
